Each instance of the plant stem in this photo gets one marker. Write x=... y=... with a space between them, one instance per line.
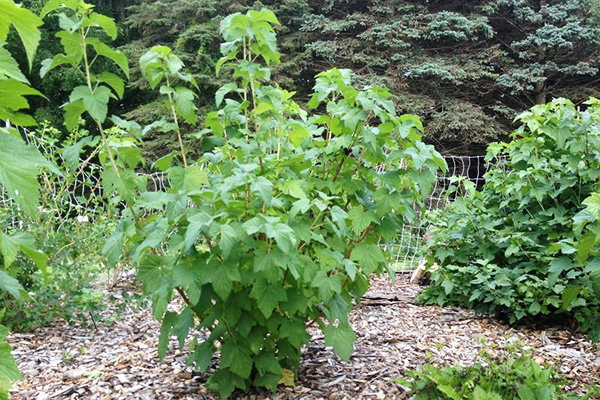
x=99 y=124
x=360 y=239
x=183 y=296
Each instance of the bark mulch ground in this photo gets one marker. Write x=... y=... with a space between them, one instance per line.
x=395 y=334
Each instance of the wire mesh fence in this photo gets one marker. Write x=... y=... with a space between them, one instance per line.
x=406 y=250
x=80 y=196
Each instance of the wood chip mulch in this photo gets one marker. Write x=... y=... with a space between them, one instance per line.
x=395 y=334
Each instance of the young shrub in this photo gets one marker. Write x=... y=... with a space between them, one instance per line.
x=278 y=226
x=519 y=246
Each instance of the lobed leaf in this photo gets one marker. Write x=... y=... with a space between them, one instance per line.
x=341 y=338
x=26 y=24
x=19 y=168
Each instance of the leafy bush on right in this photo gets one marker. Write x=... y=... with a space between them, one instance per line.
x=526 y=244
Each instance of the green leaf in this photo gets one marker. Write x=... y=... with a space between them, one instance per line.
x=299 y=206
x=151 y=65
x=368 y=256
x=52 y=5
x=73 y=113
x=194 y=178
x=350 y=268
x=202 y=356
x=420 y=154
x=165 y=162
x=448 y=391
x=187 y=277
x=341 y=338
x=19 y=168
x=225 y=382
x=535 y=308
x=113 y=247
x=593 y=205
x=168 y=321
x=96 y=103
x=253 y=225
x=294 y=332
x=293 y=188
x=557 y=266
x=197 y=222
x=221 y=276
x=229 y=239
x=425 y=180
x=117 y=56
x=8 y=367
x=104 y=22
x=298 y=134
x=264 y=188
x=266 y=362
x=25 y=22
x=181 y=329
x=569 y=295
x=585 y=245
x=448 y=286
x=283 y=235
x=10 y=245
x=525 y=393
x=37 y=256
x=338 y=215
x=328 y=285
x=264 y=15
x=10 y=284
x=12 y=99
x=114 y=81
x=267 y=296
x=595 y=278
x=184 y=104
x=69 y=23
x=223 y=91
x=151 y=271
x=270 y=265
x=125 y=185
x=361 y=219
x=237 y=357
x=480 y=394
x=9 y=66
x=71 y=153
x=338 y=309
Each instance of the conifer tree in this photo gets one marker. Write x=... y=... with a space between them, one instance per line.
x=466 y=67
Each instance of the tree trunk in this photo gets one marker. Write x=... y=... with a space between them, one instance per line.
x=540 y=86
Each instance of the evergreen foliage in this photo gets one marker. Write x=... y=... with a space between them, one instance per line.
x=465 y=67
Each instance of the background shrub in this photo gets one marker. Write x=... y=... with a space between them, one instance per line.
x=518 y=245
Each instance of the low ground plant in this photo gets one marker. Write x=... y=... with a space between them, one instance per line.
x=69 y=227
x=513 y=376
x=71 y=285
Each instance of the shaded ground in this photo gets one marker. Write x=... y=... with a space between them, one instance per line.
x=394 y=335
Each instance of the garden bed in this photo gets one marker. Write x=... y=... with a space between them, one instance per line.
x=395 y=334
